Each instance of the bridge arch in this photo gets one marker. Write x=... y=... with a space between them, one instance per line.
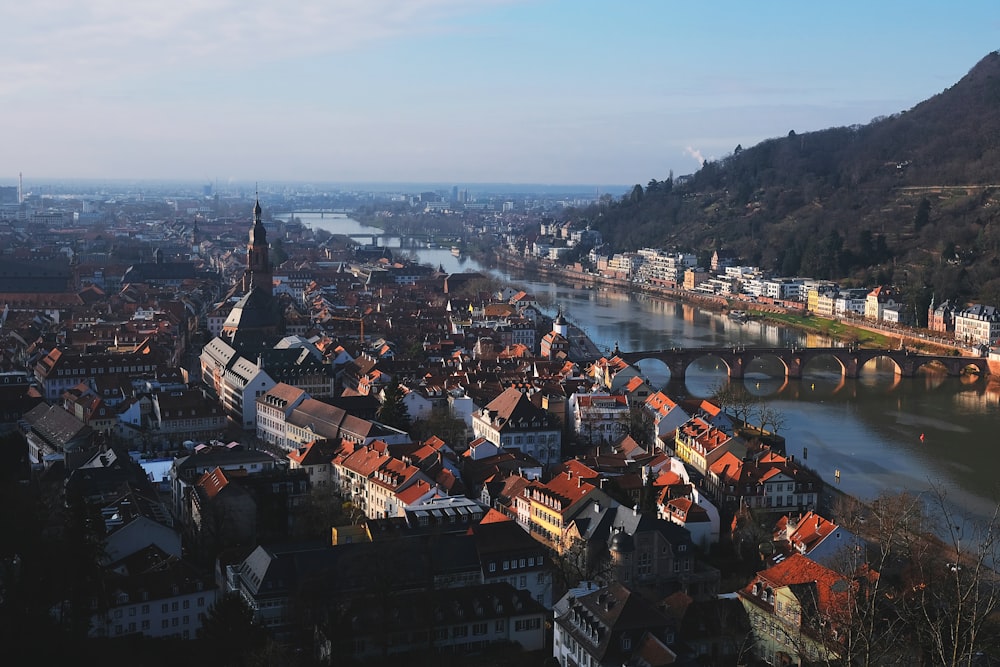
x=852 y=360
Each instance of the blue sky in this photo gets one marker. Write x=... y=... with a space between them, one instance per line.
x=454 y=91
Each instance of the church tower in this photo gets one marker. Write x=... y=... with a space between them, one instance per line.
x=258 y=274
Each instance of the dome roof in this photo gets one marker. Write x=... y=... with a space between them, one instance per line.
x=622 y=542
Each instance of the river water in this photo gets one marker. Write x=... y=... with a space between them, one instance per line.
x=880 y=432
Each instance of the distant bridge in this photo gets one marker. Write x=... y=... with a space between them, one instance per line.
x=794 y=359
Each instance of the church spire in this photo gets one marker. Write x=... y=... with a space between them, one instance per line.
x=258 y=272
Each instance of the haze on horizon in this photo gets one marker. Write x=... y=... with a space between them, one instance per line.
x=451 y=91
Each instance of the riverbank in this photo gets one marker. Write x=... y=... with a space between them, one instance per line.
x=845 y=331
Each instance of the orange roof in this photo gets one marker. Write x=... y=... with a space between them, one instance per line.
x=832 y=590
x=414 y=492
x=213 y=482
x=494 y=516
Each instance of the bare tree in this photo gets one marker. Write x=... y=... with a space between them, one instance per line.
x=872 y=630
x=957 y=600
x=736 y=401
x=768 y=415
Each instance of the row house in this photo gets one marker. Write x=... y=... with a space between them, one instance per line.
x=61 y=370
x=700 y=444
x=815 y=536
x=977 y=325
x=776 y=289
x=173 y=417
x=667 y=415
x=850 y=302
x=463 y=621
x=86 y=405
x=156 y=597
x=374 y=481
x=599 y=418
x=547 y=509
x=941 y=317
x=509 y=554
x=273 y=409
x=315 y=420
x=187 y=416
x=186 y=471
x=664 y=268
x=512 y=421
x=695 y=514
x=795 y=608
x=879 y=300
x=237 y=381
x=611 y=626
x=768 y=481
x=316 y=458
x=243 y=383
x=613 y=374
x=54 y=435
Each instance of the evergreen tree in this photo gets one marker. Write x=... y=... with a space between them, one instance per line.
x=393 y=410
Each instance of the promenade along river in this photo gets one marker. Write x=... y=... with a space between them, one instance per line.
x=869 y=429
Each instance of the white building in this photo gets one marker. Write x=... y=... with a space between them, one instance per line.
x=977 y=325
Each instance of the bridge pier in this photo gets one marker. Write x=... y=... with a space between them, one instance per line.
x=736 y=368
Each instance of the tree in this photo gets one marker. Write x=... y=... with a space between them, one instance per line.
x=955 y=607
x=441 y=423
x=393 y=410
x=638 y=423
x=923 y=214
x=735 y=400
x=230 y=630
x=769 y=416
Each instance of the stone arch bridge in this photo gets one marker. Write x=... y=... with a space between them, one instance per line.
x=851 y=359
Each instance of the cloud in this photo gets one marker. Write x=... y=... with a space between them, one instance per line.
x=63 y=46
x=696 y=154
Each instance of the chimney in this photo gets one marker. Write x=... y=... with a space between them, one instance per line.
x=579 y=482
x=635 y=510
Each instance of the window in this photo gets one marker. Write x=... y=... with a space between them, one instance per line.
x=201 y=601
x=493 y=567
x=187 y=604
x=173 y=606
x=460 y=631
x=164 y=624
x=500 y=625
x=506 y=565
x=145 y=609
x=145 y=625
x=479 y=628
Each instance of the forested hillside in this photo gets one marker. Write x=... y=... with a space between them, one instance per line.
x=912 y=199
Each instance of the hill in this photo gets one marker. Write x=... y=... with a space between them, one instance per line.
x=911 y=199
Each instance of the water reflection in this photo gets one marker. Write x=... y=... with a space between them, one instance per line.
x=870 y=429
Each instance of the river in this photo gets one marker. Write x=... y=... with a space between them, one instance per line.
x=869 y=429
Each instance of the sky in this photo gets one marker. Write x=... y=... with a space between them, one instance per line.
x=454 y=91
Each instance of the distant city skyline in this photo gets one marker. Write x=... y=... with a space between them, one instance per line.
x=453 y=92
